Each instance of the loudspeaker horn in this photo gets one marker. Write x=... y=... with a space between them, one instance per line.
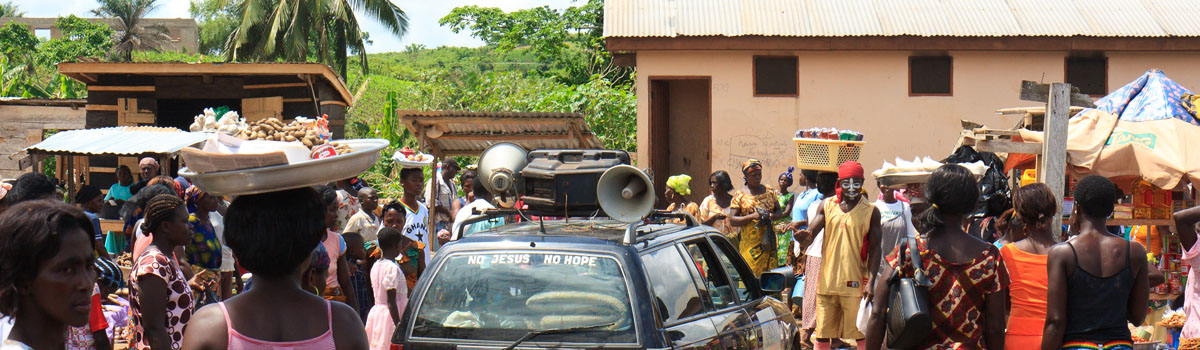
x=498 y=169
x=625 y=193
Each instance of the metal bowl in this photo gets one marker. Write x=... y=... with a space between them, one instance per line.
x=289 y=176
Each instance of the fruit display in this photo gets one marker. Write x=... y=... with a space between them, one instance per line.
x=125 y=260
x=311 y=132
x=414 y=156
x=1174 y=320
x=1189 y=344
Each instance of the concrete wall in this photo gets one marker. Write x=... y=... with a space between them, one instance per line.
x=867 y=91
x=184 y=32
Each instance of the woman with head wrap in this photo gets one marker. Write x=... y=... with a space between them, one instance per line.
x=677 y=189
x=752 y=210
x=783 y=224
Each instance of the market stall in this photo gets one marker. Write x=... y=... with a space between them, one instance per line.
x=459 y=133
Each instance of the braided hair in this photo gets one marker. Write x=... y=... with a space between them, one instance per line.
x=160 y=209
x=110 y=274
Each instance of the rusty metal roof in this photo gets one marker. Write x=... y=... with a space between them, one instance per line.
x=86 y=72
x=459 y=133
x=125 y=140
x=927 y=18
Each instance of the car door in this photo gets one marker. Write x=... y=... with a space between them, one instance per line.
x=680 y=303
x=768 y=323
x=728 y=312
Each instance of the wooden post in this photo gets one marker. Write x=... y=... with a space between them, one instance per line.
x=433 y=189
x=1053 y=160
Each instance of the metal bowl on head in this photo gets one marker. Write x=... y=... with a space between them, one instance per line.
x=289 y=176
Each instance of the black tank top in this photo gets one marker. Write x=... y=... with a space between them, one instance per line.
x=1096 y=306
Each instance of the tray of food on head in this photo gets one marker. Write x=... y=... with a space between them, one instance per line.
x=410 y=158
x=904 y=172
x=268 y=155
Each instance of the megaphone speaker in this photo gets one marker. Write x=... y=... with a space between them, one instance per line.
x=499 y=166
x=625 y=193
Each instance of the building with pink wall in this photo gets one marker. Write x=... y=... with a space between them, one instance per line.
x=720 y=81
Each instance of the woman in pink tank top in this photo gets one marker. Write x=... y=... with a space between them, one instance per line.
x=273 y=235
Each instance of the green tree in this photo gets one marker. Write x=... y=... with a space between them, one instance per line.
x=216 y=20
x=569 y=42
x=300 y=30
x=9 y=9
x=132 y=33
x=19 y=46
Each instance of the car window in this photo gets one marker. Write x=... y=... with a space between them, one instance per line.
x=727 y=254
x=675 y=292
x=502 y=297
x=721 y=291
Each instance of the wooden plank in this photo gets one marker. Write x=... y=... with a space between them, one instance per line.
x=1008 y=147
x=103 y=169
x=297 y=100
x=121 y=88
x=490 y=120
x=1033 y=91
x=561 y=136
x=273 y=86
x=107 y=225
x=33 y=136
x=1053 y=161
x=1032 y=110
x=339 y=103
x=996 y=132
x=109 y=108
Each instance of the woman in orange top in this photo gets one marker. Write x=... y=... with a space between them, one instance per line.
x=1026 y=263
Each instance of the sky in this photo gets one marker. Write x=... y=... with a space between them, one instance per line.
x=423 y=16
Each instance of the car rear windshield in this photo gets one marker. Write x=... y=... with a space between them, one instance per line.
x=504 y=296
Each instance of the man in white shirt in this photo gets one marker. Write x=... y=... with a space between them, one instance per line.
x=482 y=202
x=447 y=194
x=365 y=222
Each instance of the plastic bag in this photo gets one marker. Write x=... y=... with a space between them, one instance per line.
x=864 y=315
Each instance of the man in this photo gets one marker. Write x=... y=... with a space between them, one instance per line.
x=447 y=194
x=91 y=201
x=149 y=168
x=849 y=254
x=483 y=201
x=365 y=222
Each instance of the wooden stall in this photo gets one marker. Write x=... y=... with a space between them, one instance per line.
x=26 y=121
x=457 y=133
x=171 y=94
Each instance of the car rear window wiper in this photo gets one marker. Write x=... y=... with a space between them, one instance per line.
x=535 y=333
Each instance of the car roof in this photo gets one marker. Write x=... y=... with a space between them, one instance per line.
x=588 y=232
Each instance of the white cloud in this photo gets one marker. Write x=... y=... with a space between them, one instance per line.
x=423 y=18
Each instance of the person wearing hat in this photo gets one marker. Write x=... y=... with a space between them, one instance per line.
x=753 y=210
x=677 y=188
x=149 y=169
x=850 y=259
x=91 y=201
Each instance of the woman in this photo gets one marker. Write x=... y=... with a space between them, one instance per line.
x=1085 y=310
x=466 y=182
x=160 y=298
x=1025 y=260
x=895 y=219
x=119 y=191
x=1010 y=227
x=1185 y=223
x=46 y=274
x=273 y=235
x=338 y=275
x=970 y=285
x=677 y=188
x=411 y=259
x=783 y=225
x=825 y=184
x=205 y=249
x=714 y=208
x=752 y=210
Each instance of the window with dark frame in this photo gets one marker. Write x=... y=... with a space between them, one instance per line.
x=776 y=76
x=931 y=76
x=1089 y=74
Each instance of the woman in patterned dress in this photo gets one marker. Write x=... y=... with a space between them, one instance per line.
x=714 y=208
x=970 y=283
x=752 y=211
x=160 y=300
x=47 y=280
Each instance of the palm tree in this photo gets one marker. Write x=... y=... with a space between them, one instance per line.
x=132 y=34
x=9 y=9
x=293 y=30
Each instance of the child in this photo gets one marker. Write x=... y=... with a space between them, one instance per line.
x=116 y=308
x=356 y=254
x=391 y=291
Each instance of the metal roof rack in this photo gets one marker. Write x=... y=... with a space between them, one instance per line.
x=658 y=216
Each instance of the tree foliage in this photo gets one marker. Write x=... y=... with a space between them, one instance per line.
x=132 y=33
x=303 y=30
x=216 y=19
x=568 y=42
x=28 y=64
x=9 y=9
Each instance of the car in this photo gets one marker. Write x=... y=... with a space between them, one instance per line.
x=595 y=283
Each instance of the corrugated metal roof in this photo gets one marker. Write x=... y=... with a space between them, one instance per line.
x=958 y=18
x=470 y=133
x=119 y=141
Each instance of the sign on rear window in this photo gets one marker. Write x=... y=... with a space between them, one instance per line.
x=503 y=296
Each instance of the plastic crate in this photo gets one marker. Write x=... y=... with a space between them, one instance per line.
x=825 y=155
